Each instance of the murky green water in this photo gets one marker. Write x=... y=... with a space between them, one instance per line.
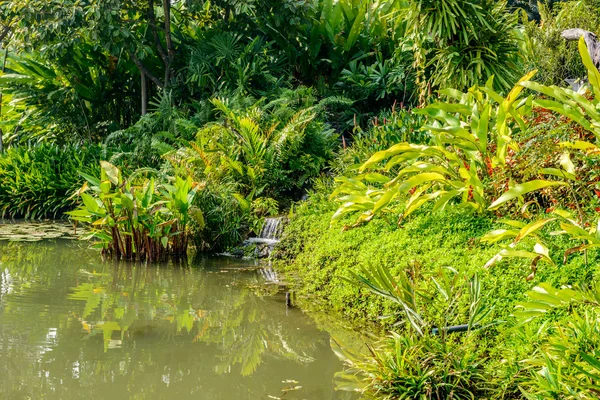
x=72 y=327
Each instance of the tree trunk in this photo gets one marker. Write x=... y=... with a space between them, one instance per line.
x=168 y=38
x=591 y=41
x=2 y=130
x=144 y=69
x=144 y=93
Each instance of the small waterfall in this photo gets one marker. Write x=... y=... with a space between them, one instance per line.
x=270 y=232
x=272 y=228
x=268 y=238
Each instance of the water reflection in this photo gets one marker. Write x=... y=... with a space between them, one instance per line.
x=72 y=327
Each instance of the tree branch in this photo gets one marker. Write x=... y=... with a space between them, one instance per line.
x=4 y=33
x=144 y=69
x=591 y=41
x=170 y=48
x=154 y=29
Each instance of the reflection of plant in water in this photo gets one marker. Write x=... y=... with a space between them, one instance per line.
x=152 y=332
x=131 y=300
x=240 y=327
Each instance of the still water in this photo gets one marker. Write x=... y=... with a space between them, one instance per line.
x=73 y=327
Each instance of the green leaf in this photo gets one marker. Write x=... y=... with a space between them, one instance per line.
x=357 y=26
x=90 y=202
x=498 y=235
x=532 y=228
x=522 y=189
x=593 y=73
x=111 y=171
x=421 y=179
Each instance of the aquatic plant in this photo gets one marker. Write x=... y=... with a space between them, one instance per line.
x=145 y=221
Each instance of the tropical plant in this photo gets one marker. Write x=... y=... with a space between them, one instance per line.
x=72 y=98
x=462 y=43
x=272 y=153
x=138 y=222
x=471 y=139
x=582 y=110
x=153 y=135
x=422 y=362
x=228 y=63
x=544 y=47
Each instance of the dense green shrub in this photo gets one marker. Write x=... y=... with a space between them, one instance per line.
x=226 y=222
x=38 y=181
x=384 y=130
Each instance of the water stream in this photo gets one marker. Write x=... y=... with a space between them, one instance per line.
x=72 y=327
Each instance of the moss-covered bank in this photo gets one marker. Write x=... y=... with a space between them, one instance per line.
x=493 y=363
x=317 y=259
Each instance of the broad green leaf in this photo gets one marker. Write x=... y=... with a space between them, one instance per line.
x=90 y=202
x=558 y=173
x=420 y=179
x=522 y=189
x=567 y=164
x=532 y=228
x=593 y=73
x=384 y=200
x=111 y=171
x=498 y=235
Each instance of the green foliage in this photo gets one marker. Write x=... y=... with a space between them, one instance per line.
x=386 y=129
x=545 y=49
x=321 y=258
x=383 y=78
x=72 y=98
x=411 y=367
x=582 y=110
x=573 y=105
x=226 y=221
x=462 y=43
x=37 y=181
x=403 y=264
x=155 y=134
x=273 y=149
x=567 y=364
x=138 y=222
x=227 y=63
x=470 y=137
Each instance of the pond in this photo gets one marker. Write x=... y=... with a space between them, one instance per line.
x=73 y=327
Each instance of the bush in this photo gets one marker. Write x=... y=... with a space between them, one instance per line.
x=37 y=182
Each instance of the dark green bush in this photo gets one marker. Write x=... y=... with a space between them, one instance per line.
x=37 y=182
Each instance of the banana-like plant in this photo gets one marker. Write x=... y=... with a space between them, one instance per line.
x=470 y=136
x=575 y=105
x=583 y=110
x=148 y=222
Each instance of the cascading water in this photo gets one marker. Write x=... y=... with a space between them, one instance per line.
x=270 y=232
x=269 y=236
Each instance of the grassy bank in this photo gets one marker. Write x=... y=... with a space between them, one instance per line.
x=320 y=261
